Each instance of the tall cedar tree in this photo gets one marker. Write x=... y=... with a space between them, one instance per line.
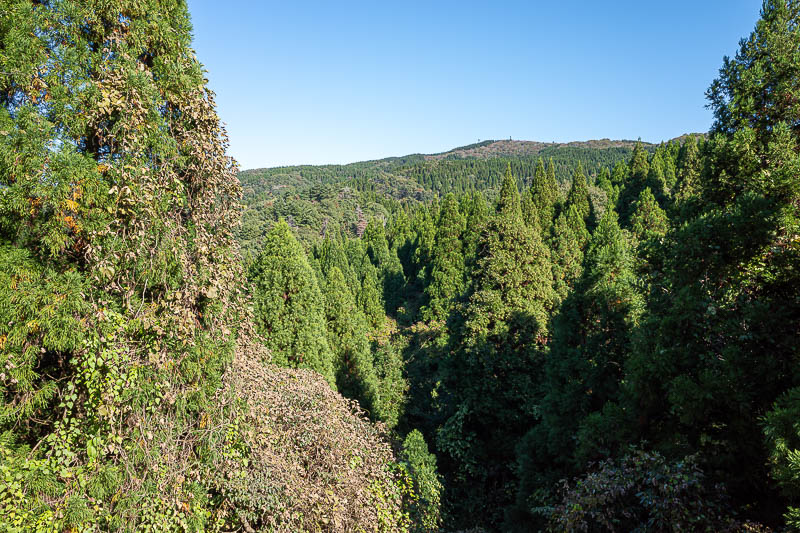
x=390 y=270
x=543 y=195
x=288 y=305
x=447 y=268
x=492 y=380
x=570 y=237
x=648 y=220
x=591 y=341
x=578 y=195
x=721 y=346
x=369 y=294
x=347 y=336
x=119 y=277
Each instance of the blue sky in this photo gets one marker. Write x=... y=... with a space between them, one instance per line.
x=336 y=82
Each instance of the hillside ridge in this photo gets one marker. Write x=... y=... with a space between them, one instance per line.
x=491 y=148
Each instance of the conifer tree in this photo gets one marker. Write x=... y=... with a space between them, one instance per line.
x=447 y=268
x=592 y=339
x=570 y=237
x=120 y=283
x=288 y=305
x=424 y=228
x=648 y=220
x=476 y=212
x=656 y=175
x=543 y=195
x=492 y=380
x=639 y=165
x=639 y=173
x=509 y=200
x=347 y=335
x=688 y=187
x=390 y=271
x=330 y=253
x=721 y=346
x=579 y=193
x=369 y=295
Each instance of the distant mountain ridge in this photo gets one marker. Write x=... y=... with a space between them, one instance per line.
x=315 y=198
x=497 y=148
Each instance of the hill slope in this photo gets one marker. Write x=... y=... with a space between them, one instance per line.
x=316 y=199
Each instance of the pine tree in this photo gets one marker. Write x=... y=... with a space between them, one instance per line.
x=288 y=304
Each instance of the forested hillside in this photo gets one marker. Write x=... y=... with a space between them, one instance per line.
x=511 y=336
x=318 y=200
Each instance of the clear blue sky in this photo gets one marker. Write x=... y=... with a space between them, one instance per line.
x=336 y=82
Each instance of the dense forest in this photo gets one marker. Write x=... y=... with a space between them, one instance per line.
x=317 y=200
x=511 y=336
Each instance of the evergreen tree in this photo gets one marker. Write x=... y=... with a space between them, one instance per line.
x=579 y=194
x=656 y=176
x=369 y=294
x=476 y=212
x=120 y=283
x=639 y=172
x=347 y=335
x=509 y=200
x=288 y=306
x=543 y=195
x=424 y=226
x=569 y=240
x=688 y=187
x=492 y=381
x=421 y=464
x=721 y=342
x=648 y=219
x=390 y=271
x=447 y=268
x=592 y=338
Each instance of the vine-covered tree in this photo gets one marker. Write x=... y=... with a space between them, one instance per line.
x=120 y=286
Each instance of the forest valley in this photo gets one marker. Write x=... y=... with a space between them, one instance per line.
x=511 y=336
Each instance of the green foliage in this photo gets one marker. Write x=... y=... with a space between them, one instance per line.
x=567 y=244
x=648 y=220
x=642 y=492
x=543 y=195
x=447 y=268
x=579 y=194
x=390 y=270
x=426 y=514
x=347 y=336
x=492 y=380
x=288 y=306
x=783 y=444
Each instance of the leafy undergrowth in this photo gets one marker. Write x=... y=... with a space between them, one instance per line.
x=301 y=457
